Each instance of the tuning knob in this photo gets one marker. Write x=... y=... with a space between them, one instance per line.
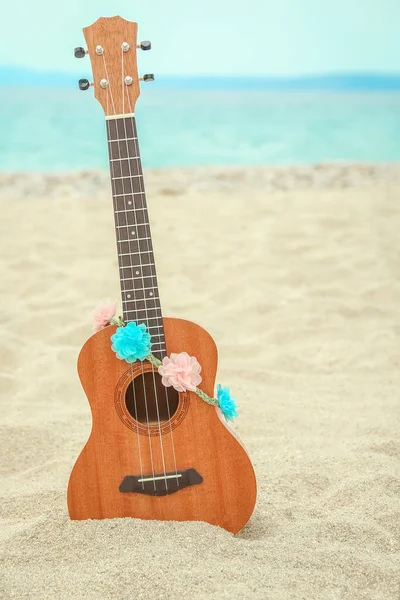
x=79 y=52
x=147 y=77
x=146 y=45
x=84 y=84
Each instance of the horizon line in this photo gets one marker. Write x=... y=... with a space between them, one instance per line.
x=365 y=80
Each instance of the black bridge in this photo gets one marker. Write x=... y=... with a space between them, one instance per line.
x=160 y=484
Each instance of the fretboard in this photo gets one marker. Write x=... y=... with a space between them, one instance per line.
x=137 y=271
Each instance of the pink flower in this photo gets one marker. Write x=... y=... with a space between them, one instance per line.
x=103 y=313
x=181 y=371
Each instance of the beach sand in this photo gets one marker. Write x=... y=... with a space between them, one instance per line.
x=296 y=274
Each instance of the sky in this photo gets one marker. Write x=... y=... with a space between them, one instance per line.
x=227 y=37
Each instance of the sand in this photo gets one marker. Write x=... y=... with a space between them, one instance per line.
x=296 y=274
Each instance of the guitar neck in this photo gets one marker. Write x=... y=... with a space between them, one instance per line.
x=137 y=270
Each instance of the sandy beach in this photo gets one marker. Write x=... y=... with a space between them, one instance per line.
x=295 y=272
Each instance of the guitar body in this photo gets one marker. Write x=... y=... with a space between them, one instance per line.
x=154 y=452
x=194 y=437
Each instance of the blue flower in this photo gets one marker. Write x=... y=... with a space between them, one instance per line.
x=227 y=404
x=131 y=342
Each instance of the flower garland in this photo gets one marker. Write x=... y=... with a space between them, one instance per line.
x=132 y=342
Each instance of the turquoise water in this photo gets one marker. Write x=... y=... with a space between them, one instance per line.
x=60 y=128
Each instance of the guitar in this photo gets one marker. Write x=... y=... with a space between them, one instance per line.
x=160 y=447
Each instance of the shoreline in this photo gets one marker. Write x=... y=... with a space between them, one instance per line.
x=175 y=181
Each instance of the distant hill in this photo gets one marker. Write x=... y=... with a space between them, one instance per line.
x=16 y=76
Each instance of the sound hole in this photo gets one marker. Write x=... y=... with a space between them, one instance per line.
x=145 y=394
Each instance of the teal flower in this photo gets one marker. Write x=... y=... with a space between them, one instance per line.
x=131 y=342
x=227 y=404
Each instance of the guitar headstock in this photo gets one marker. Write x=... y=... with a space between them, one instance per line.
x=112 y=48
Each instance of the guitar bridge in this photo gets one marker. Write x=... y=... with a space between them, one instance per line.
x=160 y=484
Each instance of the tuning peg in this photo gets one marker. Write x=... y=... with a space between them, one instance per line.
x=80 y=52
x=84 y=84
x=146 y=45
x=147 y=77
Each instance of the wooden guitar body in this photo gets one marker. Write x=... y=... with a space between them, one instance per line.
x=153 y=452
x=195 y=437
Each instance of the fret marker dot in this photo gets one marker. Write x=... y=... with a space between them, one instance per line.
x=132 y=232
x=128 y=295
x=151 y=293
x=129 y=201
x=136 y=272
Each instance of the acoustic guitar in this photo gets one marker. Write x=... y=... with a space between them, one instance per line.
x=160 y=446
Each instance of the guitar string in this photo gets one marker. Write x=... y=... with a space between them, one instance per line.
x=153 y=277
x=139 y=247
x=124 y=289
x=123 y=286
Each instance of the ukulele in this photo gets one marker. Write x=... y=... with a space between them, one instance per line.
x=160 y=447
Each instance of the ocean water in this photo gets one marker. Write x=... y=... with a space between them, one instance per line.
x=63 y=129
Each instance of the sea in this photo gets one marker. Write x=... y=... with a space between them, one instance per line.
x=61 y=128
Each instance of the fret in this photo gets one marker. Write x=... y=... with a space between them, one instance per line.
x=149 y=318
x=129 y=240
x=138 y=297
x=140 y=253
x=122 y=140
x=147 y=288
x=125 y=177
x=141 y=313
x=138 y=277
x=124 y=195
x=134 y=239
x=144 y=302
x=146 y=256
x=125 y=158
x=143 y=298
x=136 y=282
x=135 y=242
x=130 y=254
